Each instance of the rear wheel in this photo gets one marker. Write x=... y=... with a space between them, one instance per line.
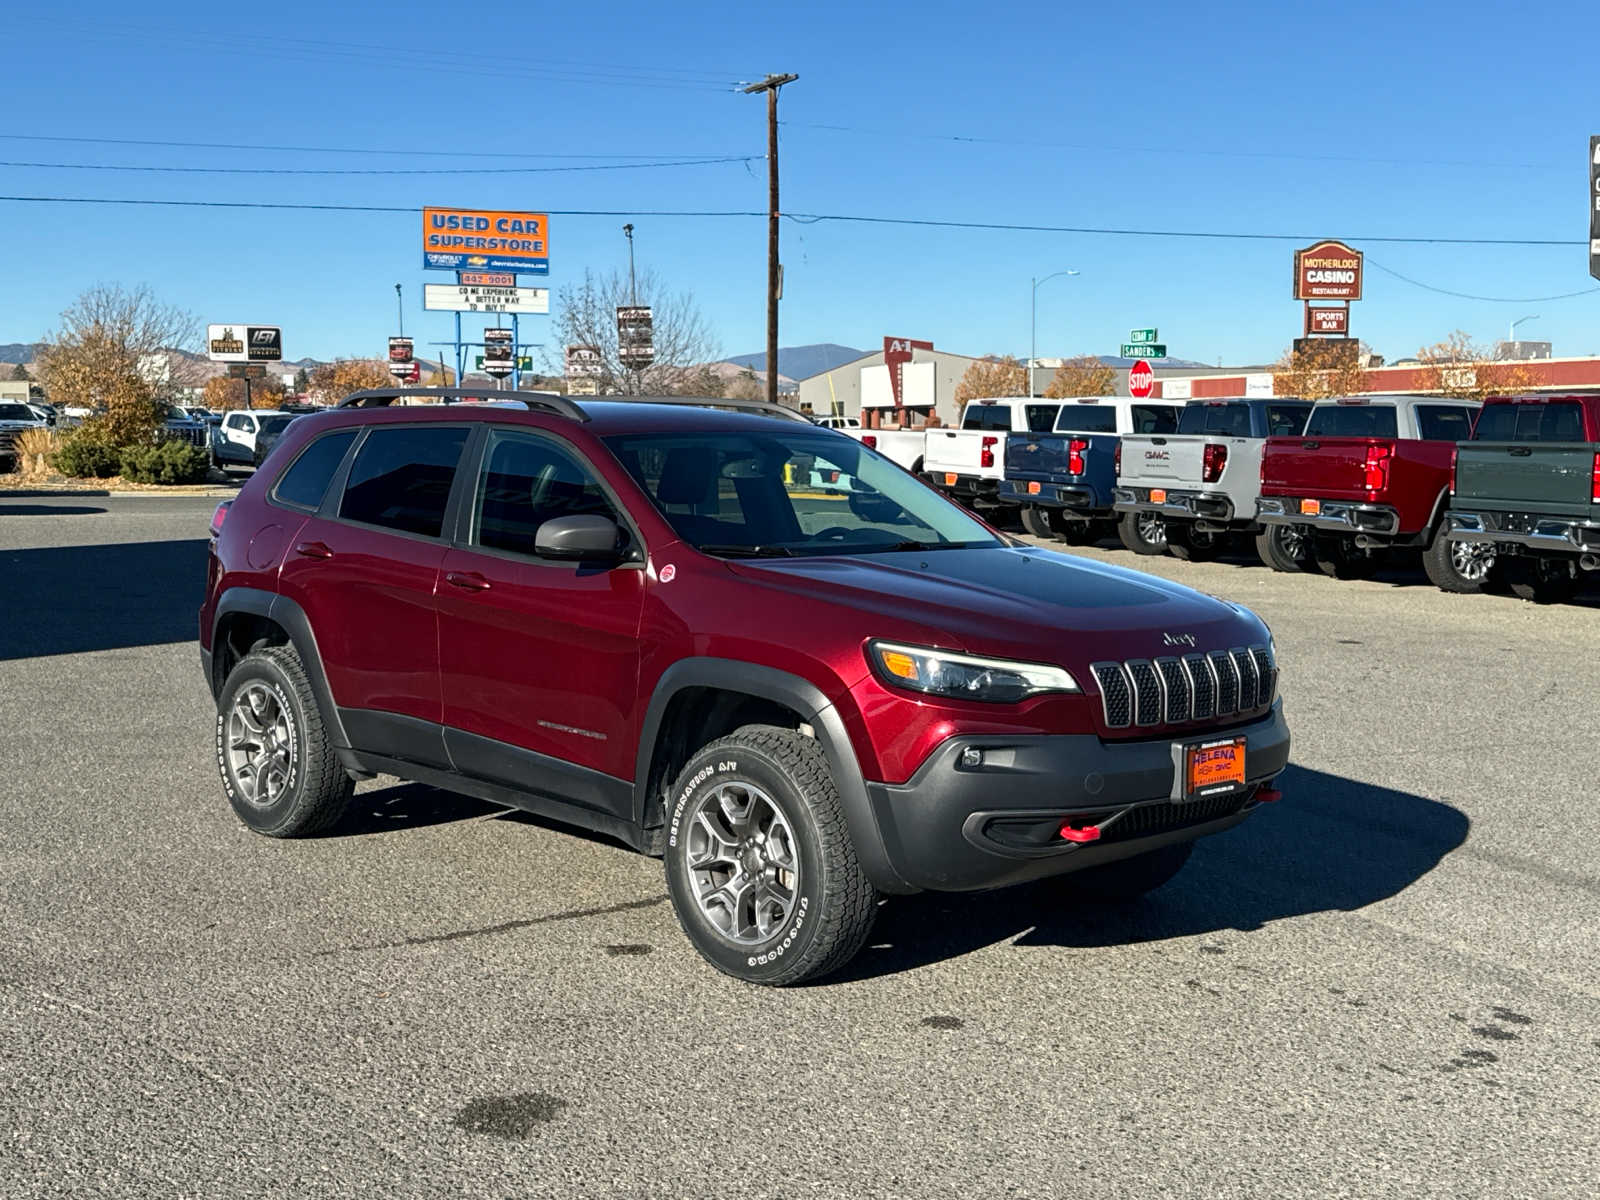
x=1129 y=878
x=1143 y=532
x=1455 y=566
x=1542 y=580
x=1191 y=544
x=1035 y=521
x=1339 y=557
x=1283 y=547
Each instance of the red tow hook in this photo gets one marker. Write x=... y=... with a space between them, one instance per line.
x=1268 y=795
x=1089 y=833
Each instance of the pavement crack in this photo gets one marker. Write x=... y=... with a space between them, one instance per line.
x=457 y=935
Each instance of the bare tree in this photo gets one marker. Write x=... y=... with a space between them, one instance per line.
x=991 y=377
x=1462 y=368
x=586 y=315
x=1085 y=375
x=1320 y=370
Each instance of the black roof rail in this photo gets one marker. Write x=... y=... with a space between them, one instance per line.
x=753 y=406
x=383 y=397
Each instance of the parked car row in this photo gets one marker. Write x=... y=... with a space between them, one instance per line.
x=1509 y=495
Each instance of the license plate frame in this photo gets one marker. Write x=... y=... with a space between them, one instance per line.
x=1158 y=495
x=1311 y=508
x=1213 y=768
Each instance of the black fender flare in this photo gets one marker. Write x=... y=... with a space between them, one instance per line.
x=292 y=619
x=803 y=697
x=1436 y=520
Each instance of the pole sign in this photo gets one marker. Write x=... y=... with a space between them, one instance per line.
x=584 y=362
x=1141 y=337
x=1594 y=206
x=1327 y=320
x=524 y=362
x=400 y=357
x=636 y=336
x=1141 y=380
x=497 y=352
x=244 y=343
x=471 y=239
x=1327 y=271
x=896 y=354
x=478 y=297
x=1144 y=350
x=247 y=370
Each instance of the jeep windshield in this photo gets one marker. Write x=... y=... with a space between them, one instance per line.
x=786 y=494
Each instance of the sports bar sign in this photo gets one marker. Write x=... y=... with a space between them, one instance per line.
x=1327 y=271
x=471 y=239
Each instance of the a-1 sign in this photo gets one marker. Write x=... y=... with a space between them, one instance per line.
x=1144 y=350
x=1141 y=336
x=1141 y=380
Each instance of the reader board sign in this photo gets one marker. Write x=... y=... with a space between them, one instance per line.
x=244 y=343
x=472 y=239
x=473 y=297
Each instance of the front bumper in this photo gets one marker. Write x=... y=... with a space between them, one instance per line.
x=1566 y=535
x=1336 y=516
x=1049 y=495
x=953 y=828
x=1184 y=505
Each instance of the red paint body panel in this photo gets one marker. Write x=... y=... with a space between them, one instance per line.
x=1333 y=468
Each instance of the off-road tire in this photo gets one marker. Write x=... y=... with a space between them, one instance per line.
x=1338 y=558
x=835 y=903
x=1439 y=560
x=1271 y=550
x=1192 y=545
x=1035 y=522
x=1129 y=878
x=1541 y=579
x=1128 y=532
x=317 y=788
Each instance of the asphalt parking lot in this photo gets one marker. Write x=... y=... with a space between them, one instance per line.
x=1387 y=984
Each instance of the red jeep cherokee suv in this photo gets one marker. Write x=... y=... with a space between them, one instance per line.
x=731 y=638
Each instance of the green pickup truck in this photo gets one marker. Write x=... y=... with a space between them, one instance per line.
x=1525 y=492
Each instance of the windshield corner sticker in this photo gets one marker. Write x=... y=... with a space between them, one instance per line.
x=668 y=573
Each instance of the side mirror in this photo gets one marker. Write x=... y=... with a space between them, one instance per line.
x=577 y=538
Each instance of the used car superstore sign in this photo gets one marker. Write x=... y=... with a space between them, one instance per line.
x=456 y=239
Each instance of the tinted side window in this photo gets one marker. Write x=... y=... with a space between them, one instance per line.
x=1154 y=418
x=1497 y=423
x=526 y=482
x=1088 y=418
x=1444 y=423
x=1286 y=420
x=1229 y=420
x=401 y=478
x=306 y=480
x=987 y=416
x=1353 y=420
x=1561 y=421
x=1040 y=416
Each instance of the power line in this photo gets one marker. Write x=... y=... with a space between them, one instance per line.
x=1428 y=287
x=626 y=166
x=407 y=152
x=1173 y=151
x=362 y=208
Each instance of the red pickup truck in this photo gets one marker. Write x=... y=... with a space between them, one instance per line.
x=1368 y=474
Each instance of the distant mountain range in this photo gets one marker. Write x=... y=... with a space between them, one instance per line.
x=801 y=362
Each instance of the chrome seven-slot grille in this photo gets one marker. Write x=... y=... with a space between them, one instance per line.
x=1196 y=687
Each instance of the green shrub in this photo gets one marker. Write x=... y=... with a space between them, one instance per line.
x=87 y=457
x=167 y=462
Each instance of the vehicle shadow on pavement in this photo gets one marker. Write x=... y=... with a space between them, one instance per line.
x=1332 y=844
x=407 y=806
x=49 y=510
x=72 y=599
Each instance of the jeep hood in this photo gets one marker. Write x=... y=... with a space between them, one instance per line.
x=1014 y=602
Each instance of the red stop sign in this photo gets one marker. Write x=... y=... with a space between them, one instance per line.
x=1141 y=380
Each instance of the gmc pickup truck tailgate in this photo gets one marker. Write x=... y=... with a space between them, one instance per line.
x=1333 y=468
x=1162 y=460
x=1555 y=478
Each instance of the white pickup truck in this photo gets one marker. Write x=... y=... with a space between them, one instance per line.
x=968 y=463
x=903 y=446
x=1186 y=492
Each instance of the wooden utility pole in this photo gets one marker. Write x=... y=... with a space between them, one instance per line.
x=770 y=86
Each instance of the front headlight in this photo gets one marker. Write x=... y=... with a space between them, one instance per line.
x=965 y=676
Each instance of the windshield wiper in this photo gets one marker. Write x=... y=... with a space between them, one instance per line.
x=746 y=551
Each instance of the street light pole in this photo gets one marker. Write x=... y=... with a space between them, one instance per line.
x=399 y=303
x=1033 y=335
x=770 y=86
x=1511 y=334
x=633 y=294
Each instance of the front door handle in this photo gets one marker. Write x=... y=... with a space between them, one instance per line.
x=1311 y=446
x=469 y=581
x=313 y=550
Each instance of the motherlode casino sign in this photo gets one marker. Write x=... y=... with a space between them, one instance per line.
x=1327 y=271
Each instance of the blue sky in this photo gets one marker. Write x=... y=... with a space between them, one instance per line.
x=1358 y=121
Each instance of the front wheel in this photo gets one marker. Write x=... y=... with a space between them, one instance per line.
x=1454 y=566
x=1283 y=547
x=760 y=867
x=1143 y=532
x=1542 y=580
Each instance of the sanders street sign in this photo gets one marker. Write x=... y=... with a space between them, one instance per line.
x=1144 y=350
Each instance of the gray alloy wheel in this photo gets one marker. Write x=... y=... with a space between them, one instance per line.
x=1152 y=528
x=1143 y=532
x=260 y=746
x=1472 y=560
x=743 y=860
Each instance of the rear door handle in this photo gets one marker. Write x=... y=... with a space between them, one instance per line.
x=469 y=581
x=1311 y=446
x=313 y=550
x=1522 y=451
